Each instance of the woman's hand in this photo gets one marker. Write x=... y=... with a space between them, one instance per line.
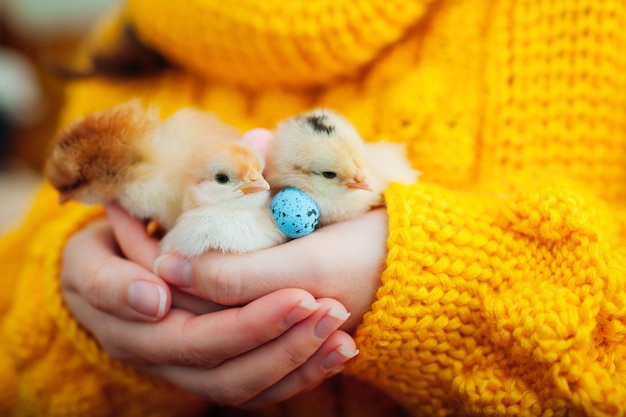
x=343 y=261
x=287 y=337
x=94 y=270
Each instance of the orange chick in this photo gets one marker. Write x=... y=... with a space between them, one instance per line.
x=126 y=154
x=321 y=153
x=225 y=204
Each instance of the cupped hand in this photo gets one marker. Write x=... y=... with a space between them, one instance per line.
x=287 y=337
x=94 y=269
x=343 y=261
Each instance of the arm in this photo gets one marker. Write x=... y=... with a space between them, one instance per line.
x=52 y=353
x=49 y=352
x=499 y=302
x=485 y=301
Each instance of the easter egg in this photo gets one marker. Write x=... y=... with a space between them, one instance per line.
x=258 y=139
x=295 y=213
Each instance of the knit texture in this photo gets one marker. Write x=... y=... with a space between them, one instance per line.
x=298 y=43
x=503 y=292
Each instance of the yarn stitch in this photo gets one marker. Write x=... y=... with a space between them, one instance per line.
x=503 y=292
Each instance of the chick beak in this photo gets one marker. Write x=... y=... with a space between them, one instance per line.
x=359 y=182
x=255 y=183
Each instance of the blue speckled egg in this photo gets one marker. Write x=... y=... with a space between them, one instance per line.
x=295 y=213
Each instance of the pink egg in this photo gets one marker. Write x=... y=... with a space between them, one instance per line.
x=259 y=139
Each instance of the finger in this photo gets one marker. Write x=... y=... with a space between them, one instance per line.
x=193 y=304
x=132 y=237
x=182 y=338
x=313 y=263
x=242 y=378
x=338 y=349
x=93 y=270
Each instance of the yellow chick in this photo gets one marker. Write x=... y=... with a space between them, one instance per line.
x=225 y=204
x=321 y=153
x=126 y=154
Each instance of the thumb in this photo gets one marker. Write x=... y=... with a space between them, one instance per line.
x=235 y=279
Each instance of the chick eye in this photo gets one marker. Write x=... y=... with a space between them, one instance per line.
x=329 y=174
x=221 y=178
x=71 y=187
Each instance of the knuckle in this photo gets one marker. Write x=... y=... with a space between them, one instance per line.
x=230 y=395
x=255 y=335
x=95 y=287
x=186 y=351
x=225 y=282
x=258 y=336
x=306 y=378
x=293 y=358
x=192 y=356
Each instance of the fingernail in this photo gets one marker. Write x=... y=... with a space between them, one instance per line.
x=330 y=322
x=174 y=269
x=147 y=298
x=338 y=357
x=301 y=311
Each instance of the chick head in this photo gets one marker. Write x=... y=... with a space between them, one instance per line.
x=90 y=159
x=320 y=153
x=222 y=174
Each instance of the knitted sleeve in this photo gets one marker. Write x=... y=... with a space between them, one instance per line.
x=49 y=364
x=57 y=368
x=274 y=43
x=503 y=305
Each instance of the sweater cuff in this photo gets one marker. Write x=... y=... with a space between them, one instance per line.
x=408 y=340
x=499 y=303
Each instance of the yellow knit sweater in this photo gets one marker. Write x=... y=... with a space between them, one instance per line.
x=504 y=291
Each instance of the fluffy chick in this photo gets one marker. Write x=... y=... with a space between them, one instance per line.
x=126 y=154
x=321 y=153
x=226 y=205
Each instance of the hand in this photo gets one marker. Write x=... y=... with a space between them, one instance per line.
x=288 y=337
x=343 y=261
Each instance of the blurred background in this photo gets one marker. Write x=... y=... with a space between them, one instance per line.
x=32 y=32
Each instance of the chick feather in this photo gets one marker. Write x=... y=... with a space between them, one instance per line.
x=126 y=154
x=321 y=153
x=225 y=204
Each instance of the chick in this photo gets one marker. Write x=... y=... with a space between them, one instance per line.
x=225 y=204
x=126 y=154
x=321 y=153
